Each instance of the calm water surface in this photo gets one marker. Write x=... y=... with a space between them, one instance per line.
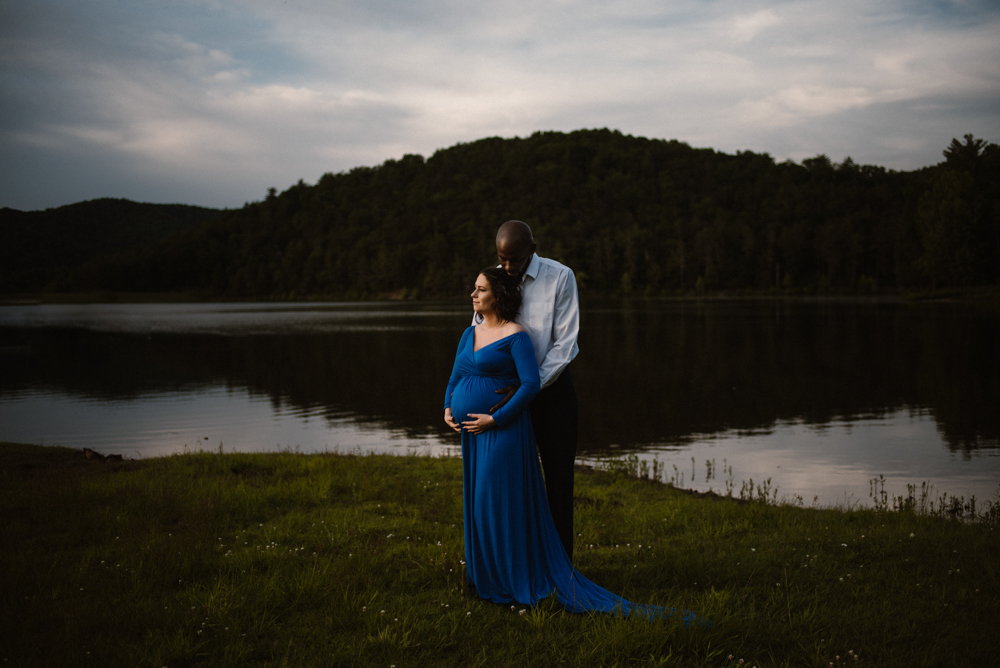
x=817 y=396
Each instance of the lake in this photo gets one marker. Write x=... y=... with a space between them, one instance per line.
x=817 y=396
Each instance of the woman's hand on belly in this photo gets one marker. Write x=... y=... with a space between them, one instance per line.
x=450 y=421
x=480 y=423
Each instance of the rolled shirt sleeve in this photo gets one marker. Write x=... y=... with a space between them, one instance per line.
x=565 y=329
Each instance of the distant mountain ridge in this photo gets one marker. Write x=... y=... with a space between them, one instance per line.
x=629 y=215
x=37 y=248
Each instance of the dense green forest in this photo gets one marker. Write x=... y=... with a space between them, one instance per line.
x=38 y=247
x=630 y=215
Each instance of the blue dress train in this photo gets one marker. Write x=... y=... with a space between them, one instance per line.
x=512 y=550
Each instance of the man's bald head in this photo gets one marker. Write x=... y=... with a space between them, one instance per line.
x=515 y=232
x=515 y=246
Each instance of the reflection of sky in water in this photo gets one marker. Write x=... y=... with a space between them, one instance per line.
x=834 y=461
x=163 y=424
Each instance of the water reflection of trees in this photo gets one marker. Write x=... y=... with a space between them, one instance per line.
x=391 y=376
x=654 y=375
x=648 y=373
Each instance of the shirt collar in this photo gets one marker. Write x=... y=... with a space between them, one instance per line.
x=532 y=270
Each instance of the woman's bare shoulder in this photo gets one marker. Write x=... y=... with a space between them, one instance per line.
x=512 y=328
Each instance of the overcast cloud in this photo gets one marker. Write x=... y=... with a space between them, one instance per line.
x=211 y=102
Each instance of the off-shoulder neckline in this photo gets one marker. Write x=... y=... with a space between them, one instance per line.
x=503 y=338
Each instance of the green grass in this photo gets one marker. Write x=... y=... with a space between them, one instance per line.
x=338 y=560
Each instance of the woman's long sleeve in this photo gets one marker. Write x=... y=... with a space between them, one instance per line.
x=527 y=371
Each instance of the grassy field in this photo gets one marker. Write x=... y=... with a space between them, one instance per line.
x=337 y=560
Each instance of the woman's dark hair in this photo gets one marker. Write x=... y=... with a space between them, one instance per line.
x=506 y=293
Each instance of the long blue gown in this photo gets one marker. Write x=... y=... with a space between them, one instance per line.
x=512 y=550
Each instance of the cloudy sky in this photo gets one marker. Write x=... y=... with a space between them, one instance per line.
x=211 y=102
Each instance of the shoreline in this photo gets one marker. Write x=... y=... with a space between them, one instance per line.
x=883 y=492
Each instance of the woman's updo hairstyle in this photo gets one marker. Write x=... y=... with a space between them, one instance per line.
x=506 y=293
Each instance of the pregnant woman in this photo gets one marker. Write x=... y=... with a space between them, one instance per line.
x=512 y=550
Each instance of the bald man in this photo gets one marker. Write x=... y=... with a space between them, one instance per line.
x=550 y=312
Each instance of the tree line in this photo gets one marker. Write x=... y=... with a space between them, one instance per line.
x=39 y=249
x=630 y=215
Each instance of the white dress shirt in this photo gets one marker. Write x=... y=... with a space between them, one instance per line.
x=550 y=313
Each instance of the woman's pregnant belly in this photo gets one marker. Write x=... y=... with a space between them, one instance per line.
x=477 y=394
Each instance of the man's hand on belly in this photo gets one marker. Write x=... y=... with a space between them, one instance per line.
x=509 y=391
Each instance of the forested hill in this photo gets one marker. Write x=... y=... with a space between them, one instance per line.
x=629 y=215
x=37 y=247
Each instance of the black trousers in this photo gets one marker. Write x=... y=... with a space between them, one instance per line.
x=554 y=414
